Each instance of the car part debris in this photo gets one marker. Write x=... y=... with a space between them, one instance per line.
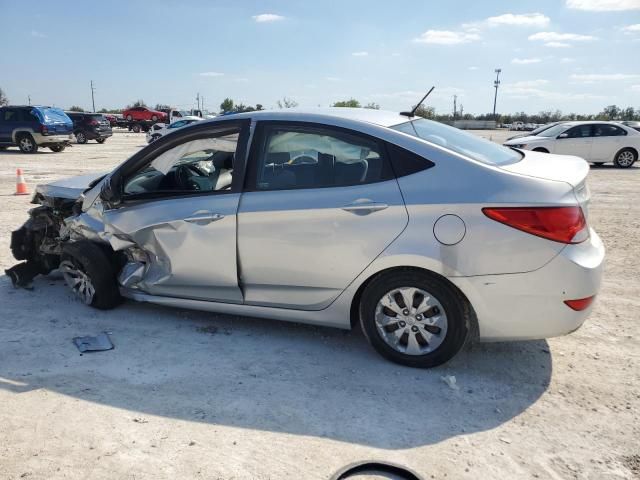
x=379 y=469
x=99 y=343
x=23 y=273
x=450 y=380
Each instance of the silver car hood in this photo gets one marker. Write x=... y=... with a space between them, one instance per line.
x=70 y=188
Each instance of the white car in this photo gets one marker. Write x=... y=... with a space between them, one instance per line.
x=596 y=142
x=157 y=130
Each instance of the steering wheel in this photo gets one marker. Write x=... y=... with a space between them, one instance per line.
x=304 y=160
x=184 y=180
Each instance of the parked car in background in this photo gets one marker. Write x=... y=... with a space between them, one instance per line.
x=536 y=131
x=144 y=113
x=90 y=126
x=160 y=129
x=30 y=127
x=336 y=216
x=632 y=124
x=517 y=126
x=596 y=142
x=113 y=120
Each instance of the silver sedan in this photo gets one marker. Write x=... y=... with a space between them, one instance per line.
x=425 y=235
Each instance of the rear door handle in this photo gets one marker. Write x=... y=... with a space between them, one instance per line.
x=204 y=219
x=364 y=208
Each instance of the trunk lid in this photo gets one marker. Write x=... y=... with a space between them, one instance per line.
x=561 y=168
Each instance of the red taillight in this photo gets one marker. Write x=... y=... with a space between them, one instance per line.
x=560 y=224
x=94 y=122
x=580 y=304
x=44 y=130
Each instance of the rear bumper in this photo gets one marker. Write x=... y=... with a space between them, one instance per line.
x=527 y=306
x=44 y=140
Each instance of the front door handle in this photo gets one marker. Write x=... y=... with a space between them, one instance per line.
x=204 y=219
x=360 y=207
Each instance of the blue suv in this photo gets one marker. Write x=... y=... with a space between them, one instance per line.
x=30 y=127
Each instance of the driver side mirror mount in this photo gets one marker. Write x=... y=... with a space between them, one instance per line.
x=111 y=192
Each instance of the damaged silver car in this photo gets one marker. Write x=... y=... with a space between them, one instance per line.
x=426 y=235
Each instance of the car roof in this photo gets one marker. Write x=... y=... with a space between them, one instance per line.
x=369 y=115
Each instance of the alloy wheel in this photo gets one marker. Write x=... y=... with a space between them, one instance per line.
x=78 y=281
x=411 y=321
x=625 y=159
x=26 y=144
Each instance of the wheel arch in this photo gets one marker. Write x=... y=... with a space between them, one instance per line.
x=21 y=131
x=633 y=149
x=354 y=311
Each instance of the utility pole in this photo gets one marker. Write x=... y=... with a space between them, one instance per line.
x=93 y=102
x=455 y=108
x=461 y=111
x=202 y=100
x=198 y=99
x=29 y=99
x=496 y=84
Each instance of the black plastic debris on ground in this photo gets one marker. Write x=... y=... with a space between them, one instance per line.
x=99 y=343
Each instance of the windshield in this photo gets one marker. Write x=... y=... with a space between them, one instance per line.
x=542 y=129
x=460 y=141
x=554 y=131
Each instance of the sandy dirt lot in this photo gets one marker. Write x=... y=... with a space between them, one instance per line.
x=194 y=395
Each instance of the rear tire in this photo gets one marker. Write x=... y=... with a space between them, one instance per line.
x=424 y=336
x=129 y=118
x=27 y=144
x=81 y=138
x=89 y=273
x=625 y=158
x=136 y=128
x=154 y=118
x=57 y=148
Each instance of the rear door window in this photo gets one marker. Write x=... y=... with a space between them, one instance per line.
x=294 y=156
x=604 y=130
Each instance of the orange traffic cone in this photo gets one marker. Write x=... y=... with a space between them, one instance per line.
x=21 y=185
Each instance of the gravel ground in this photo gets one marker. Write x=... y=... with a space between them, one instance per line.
x=194 y=395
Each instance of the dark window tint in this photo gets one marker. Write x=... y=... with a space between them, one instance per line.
x=29 y=116
x=405 y=162
x=310 y=157
x=581 y=131
x=10 y=115
x=604 y=130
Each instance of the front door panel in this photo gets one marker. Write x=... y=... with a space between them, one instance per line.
x=192 y=242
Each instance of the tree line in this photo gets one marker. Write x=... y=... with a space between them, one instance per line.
x=228 y=105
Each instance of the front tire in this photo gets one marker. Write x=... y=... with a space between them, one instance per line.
x=414 y=318
x=625 y=158
x=101 y=140
x=154 y=118
x=81 y=138
x=541 y=150
x=57 y=148
x=89 y=273
x=129 y=118
x=27 y=144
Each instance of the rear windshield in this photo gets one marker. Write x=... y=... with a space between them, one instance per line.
x=51 y=115
x=460 y=141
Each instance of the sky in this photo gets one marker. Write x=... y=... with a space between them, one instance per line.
x=572 y=55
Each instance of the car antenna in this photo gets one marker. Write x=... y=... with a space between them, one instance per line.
x=412 y=112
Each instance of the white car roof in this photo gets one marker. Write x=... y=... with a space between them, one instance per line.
x=369 y=115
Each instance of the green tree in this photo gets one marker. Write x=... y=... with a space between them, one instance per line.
x=351 y=103
x=426 y=112
x=372 y=106
x=76 y=108
x=628 y=113
x=137 y=103
x=287 y=103
x=3 y=98
x=611 y=112
x=226 y=105
x=259 y=107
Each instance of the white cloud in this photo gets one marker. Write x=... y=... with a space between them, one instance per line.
x=527 y=83
x=35 y=33
x=560 y=37
x=604 y=5
x=473 y=68
x=598 y=77
x=525 y=61
x=267 y=17
x=446 y=37
x=557 y=45
x=631 y=29
x=211 y=74
x=333 y=79
x=567 y=60
x=360 y=54
x=520 y=20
